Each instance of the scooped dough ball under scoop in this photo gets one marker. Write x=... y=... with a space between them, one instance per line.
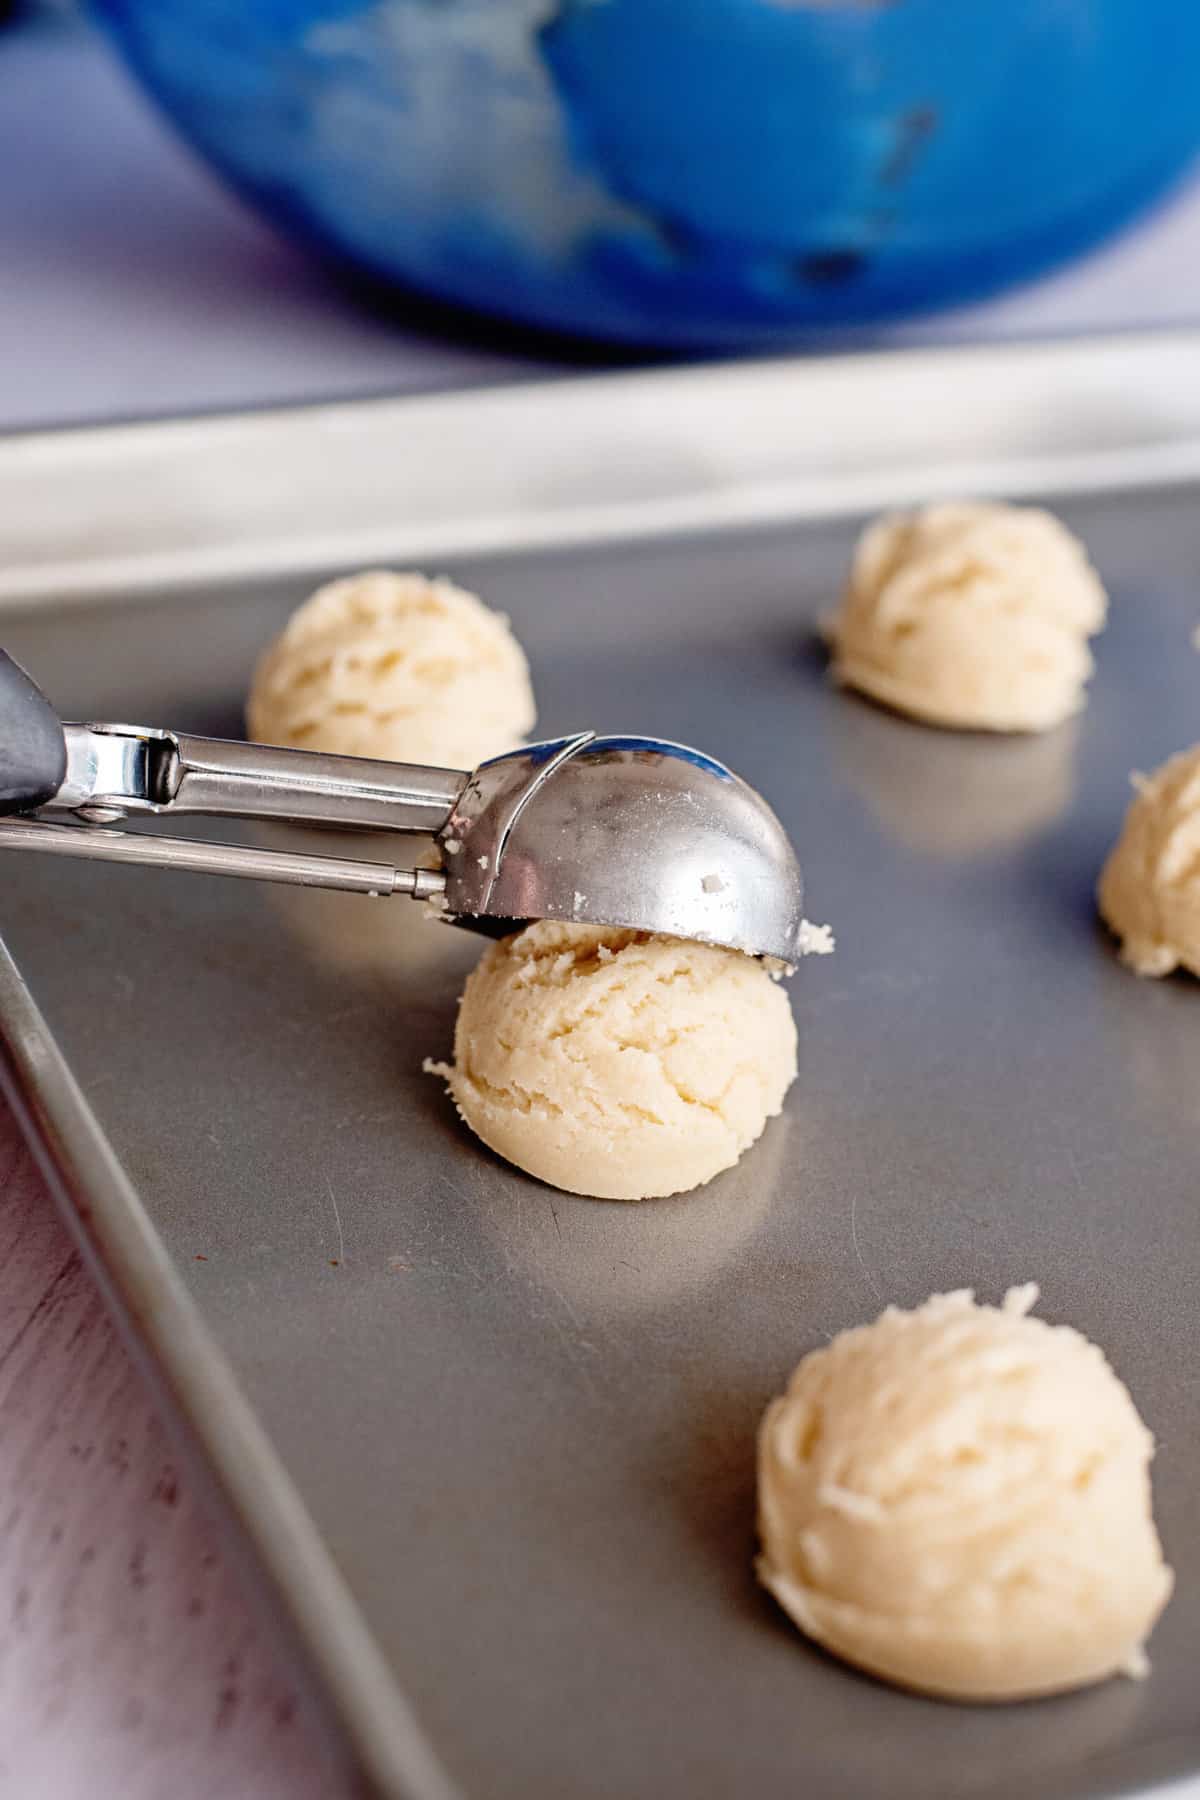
x=397 y=667
x=958 y=1499
x=617 y=1064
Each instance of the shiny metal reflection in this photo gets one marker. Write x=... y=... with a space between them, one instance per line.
x=623 y=831
x=957 y=794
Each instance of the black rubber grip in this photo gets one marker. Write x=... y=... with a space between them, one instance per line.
x=33 y=751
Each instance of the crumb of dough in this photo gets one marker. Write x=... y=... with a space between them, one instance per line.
x=816 y=940
x=811 y=940
x=618 y=1064
x=1149 y=889
x=970 y=615
x=394 y=666
x=957 y=1499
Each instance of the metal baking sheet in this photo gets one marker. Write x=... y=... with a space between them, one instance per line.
x=496 y=1444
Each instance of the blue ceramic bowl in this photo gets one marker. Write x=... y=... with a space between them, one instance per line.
x=684 y=172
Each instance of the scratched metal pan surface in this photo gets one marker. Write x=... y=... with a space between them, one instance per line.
x=523 y=1424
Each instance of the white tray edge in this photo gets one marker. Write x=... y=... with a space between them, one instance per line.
x=125 y=508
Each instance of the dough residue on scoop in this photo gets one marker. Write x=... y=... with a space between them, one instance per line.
x=618 y=1064
x=970 y=615
x=1149 y=890
x=958 y=1499
x=394 y=666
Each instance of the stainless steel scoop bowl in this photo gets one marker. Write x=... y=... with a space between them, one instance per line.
x=623 y=831
x=601 y=830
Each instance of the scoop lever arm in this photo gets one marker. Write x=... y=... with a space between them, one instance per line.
x=117 y=770
x=154 y=851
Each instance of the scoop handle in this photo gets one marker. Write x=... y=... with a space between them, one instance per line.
x=33 y=750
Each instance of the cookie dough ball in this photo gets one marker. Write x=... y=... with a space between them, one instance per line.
x=397 y=667
x=970 y=615
x=1150 y=887
x=618 y=1064
x=958 y=1499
